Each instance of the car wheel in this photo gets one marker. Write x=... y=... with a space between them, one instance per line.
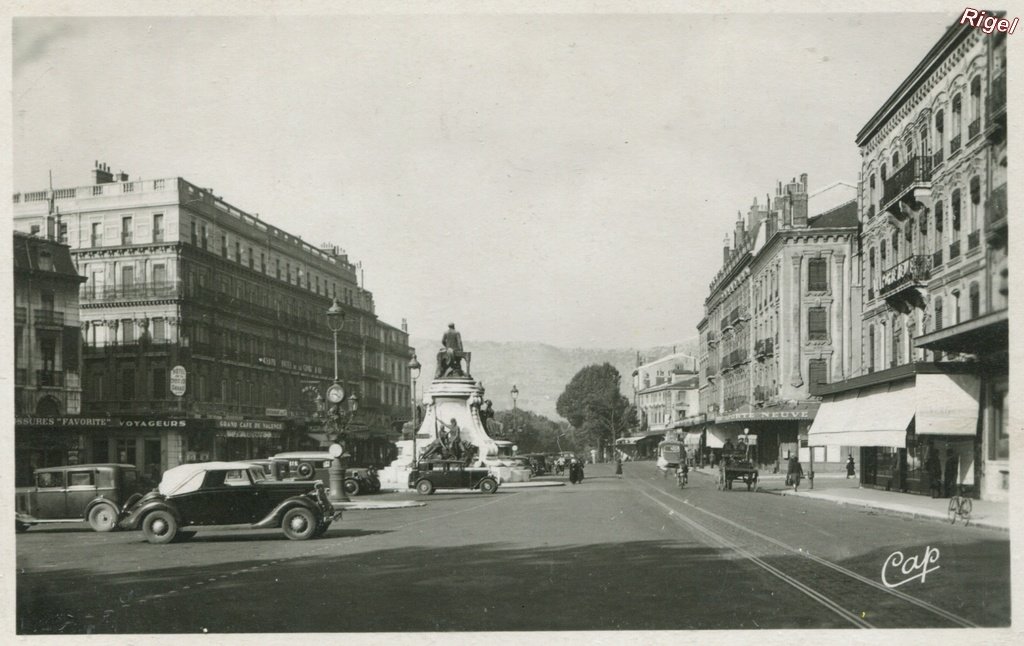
x=103 y=518
x=352 y=487
x=20 y=527
x=425 y=487
x=488 y=486
x=159 y=527
x=299 y=524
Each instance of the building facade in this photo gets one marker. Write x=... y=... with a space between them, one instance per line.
x=777 y=321
x=932 y=168
x=47 y=355
x=667 y=391
x=177 y=278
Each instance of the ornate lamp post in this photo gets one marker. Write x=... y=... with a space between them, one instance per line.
x=335 y=397
x=515 y=409
x=414 y=372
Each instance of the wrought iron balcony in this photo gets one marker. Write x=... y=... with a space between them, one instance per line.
x=973 y=129
x=48 y=317
x=995 y=102
x=50 y=378
x=763 y=348
x=911 y=274
x=937 y=157
x=995 y=218
x=954 y=250
x=915 y=174
x=90 y=293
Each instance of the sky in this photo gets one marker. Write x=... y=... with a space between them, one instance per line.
x=565 y=179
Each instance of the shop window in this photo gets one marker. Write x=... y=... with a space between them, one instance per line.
x=126 y=451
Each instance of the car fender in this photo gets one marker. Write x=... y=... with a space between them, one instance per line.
x=133 y=519
x=27 y=519
x=273 y=519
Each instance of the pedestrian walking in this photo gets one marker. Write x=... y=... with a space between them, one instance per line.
x=618 y=467
x=851 y=470
x=933 y=469
x=794 y=472
x=951 y=471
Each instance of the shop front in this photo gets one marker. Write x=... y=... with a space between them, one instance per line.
x=50 y=442
x=916 y=429
x=779 y=429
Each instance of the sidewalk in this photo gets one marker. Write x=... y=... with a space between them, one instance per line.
x=834 y=487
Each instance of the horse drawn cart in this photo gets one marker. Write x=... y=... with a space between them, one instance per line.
x=739 y=464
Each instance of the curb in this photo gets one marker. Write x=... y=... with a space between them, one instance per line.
x=375 y=506
x=892 y=512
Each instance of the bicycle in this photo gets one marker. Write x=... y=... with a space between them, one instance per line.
x=681 y=477
x=959 y=507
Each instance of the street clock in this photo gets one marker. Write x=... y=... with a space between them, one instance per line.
x=335 y=394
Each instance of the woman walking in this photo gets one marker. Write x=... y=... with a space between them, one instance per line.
x=618 y=467
x=795 y=472
x=850 y=469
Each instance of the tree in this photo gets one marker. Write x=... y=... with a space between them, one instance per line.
x=531 y=432
x=594 y=405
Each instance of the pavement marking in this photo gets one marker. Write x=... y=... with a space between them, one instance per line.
x=956 y=619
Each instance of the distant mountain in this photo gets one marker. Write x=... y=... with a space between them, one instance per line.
x=539 y=371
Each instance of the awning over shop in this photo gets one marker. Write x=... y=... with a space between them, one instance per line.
x=692 y=439
x=947 y=404
x=628 y=440
x=873 y=416
x=717 y=435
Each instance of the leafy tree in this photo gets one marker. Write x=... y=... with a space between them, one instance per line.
x=594 y=405
x=532 y=432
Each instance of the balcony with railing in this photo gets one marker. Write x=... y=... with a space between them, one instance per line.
x=764 y=348
x=94 y=294
x=973 y=240
x=995 y=218
x=937 y=157
x=48 y=318
x=20 y=315
x=905 y=278
x=954 y=145
x=954 y=250
x=50 y=378
x=915 y=174
x=973 y=129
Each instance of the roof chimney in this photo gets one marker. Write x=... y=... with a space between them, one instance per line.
x=100 y=174
x=725 y=249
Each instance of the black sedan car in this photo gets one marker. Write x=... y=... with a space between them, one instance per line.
x=429 y=475
x=228 y=493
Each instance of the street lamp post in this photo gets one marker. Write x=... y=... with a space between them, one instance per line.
x=335 y=397
x=515 y=408
x=414 y=372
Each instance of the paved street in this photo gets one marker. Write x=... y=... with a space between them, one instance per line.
x=635 y=553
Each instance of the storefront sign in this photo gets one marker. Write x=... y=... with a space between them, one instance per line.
x=153 y=423
x=766 y=416
x=256 y=435
x=276 y=412
x=63 y=421
x=250 y=425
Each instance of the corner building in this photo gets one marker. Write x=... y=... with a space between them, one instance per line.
x=934 y=330
x=176 y=276
x=776 y=321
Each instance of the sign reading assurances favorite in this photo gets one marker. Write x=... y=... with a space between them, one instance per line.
x=178 y=378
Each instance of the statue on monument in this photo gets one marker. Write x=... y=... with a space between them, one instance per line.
x=449 y=358
x=487 y=415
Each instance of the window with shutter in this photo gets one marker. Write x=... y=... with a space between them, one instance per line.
x=817 y=324
x=817 y=275
x=938 y=216
x=956 y=210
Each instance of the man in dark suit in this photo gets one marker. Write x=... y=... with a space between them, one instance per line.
x=951 y=472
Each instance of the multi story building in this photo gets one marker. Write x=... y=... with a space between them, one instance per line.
x=47 y=355
x=776 y=321
x=932 y=165
x=667 y=391
x=178 y=277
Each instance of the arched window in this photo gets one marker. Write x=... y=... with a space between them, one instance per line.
x=896 y=160
x=884 y=175
x=974 y=298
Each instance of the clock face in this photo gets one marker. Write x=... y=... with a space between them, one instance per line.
x=335 y=394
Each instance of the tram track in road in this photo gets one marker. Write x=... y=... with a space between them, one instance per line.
x=859 y=600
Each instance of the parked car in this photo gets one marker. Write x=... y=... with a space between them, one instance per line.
x=229 y=493
x=93 y=493
x=429 y=475
x=315 y=465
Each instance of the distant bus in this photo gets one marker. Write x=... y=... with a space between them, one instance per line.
x=670 y=452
